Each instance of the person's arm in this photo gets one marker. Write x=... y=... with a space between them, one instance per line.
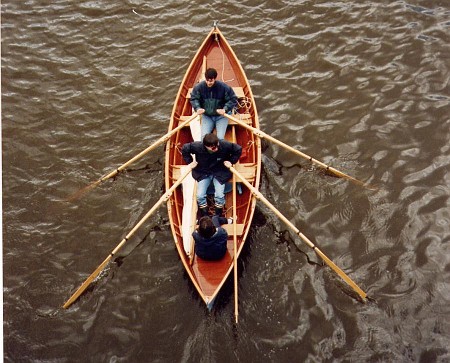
x=218 y=221
x=186 y=153
x=196 y=98
x=196 y=236
x=230 y=100
x=235 y=154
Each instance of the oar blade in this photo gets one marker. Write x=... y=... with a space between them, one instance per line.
x=91 y=186
x=86 y=284
x=340 y=174
x=78 y=194
x=342 y=274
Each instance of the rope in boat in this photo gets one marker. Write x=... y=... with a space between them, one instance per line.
x=178 y=148
x=245 y=103
x=223 y=59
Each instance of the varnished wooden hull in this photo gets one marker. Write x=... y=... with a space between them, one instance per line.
x=215 y=52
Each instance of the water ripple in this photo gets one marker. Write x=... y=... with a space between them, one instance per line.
x=362 y=87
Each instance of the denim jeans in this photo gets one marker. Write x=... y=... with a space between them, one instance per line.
x=219 y=122
x=219 y=192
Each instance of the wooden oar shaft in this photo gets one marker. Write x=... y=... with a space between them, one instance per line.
x=100 y=268
x=330 y=263
x=262 y=135
x=236 y=306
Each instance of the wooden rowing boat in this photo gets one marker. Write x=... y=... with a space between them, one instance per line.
x=208 y=277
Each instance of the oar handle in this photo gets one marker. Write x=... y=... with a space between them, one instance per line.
x=262 y=135
x=330 y=263
x=100 y=268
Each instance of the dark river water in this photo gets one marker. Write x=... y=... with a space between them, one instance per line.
x=361 y=86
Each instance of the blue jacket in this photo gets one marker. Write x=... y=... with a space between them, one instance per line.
x=215 y=247
x=211 y=163
x=219 y=96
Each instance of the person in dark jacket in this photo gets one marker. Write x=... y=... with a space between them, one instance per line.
x=213 y=158
x=210 y=238
x=212 y=99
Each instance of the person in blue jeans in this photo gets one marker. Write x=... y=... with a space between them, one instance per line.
x=210 y=238
x=212 y=99
x=213 y=158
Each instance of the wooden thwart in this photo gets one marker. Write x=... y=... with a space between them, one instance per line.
x=230 y=229
x=247 y=170
x=244 y=117
x=238 y=90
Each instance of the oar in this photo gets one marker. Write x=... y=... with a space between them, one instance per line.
x=262 y=134
x=99 y=269
x=235 y=251
x=330 y=263
x=160 y=141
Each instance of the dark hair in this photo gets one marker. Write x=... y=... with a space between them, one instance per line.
x=206 y=227
x=211 y=73
x=210 y=140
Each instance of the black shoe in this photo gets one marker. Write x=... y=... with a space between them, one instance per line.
x=203 y=211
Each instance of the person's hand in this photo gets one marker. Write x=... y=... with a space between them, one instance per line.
x=220 y=111
x=200 y=111
x=193 y=164
x=227 y=163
